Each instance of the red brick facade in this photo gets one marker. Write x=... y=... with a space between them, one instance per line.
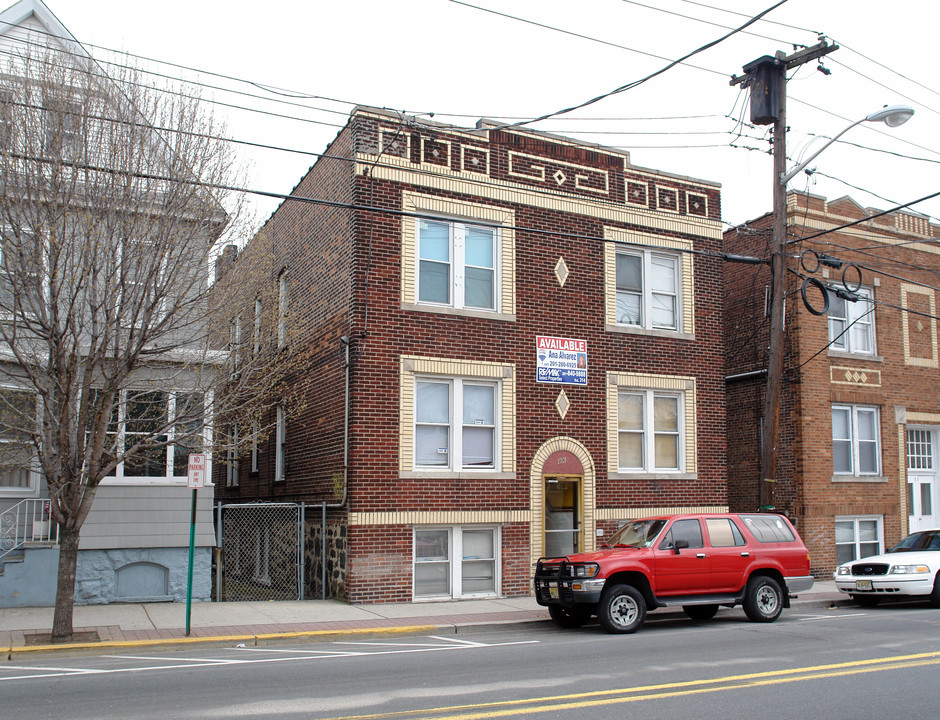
x=829 y=494
x=563 y=210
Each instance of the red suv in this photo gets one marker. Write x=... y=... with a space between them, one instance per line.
x=698 y=562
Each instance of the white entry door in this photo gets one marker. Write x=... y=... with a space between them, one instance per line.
x=921 y=480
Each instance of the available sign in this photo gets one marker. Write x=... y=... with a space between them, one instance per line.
x=560 y=360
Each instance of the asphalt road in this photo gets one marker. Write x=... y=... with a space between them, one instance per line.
x=839 y=663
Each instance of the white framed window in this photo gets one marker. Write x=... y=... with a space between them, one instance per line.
x=852 y=324
x=158 y=417
x=231 y=457
x=856 y=443
x=280 y=440
x=19 y=412
x=457 y=264
x=255 y=431
x=648 y=289
x=457 y=561
x=858 y=537
x=282 y=308
x=256 y=330
x=650 y=433
x=455 y=423
x=235 y=342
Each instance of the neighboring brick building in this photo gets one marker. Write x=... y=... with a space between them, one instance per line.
x=859 y=412
x=462 y=467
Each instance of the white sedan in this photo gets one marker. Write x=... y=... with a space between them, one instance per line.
x=909 y=569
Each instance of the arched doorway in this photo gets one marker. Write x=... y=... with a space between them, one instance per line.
x=562 y=499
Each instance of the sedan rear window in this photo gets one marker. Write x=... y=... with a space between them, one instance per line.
x=768 y=528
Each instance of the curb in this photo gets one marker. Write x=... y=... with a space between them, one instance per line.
x=828 y=601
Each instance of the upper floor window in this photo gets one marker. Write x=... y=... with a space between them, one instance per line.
x=282 y=308
x=855 y=440
x=231 y=457
x=852 y=324
x=18 y=416
x=256 y=330
x=455 y=423
x=457 y=264
x=235 y=341
x=280 y=440
x=649 y=430
x=648 y=289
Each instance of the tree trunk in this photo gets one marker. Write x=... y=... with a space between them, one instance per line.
x=65 y=590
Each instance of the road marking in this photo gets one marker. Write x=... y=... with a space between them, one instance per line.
x=39 y=671
x=578 y=701
x=812 y=618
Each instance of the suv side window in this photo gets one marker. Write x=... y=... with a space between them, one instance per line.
x=723 y=533
x=768 y=528
x=690 y=530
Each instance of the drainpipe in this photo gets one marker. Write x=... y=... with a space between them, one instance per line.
x=344 y=347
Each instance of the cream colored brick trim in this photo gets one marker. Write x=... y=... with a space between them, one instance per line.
x=536 y=167
x=902 y=479
x=907 y=318
x=634 y=513
x=415 y=365
x=537 y=493
x=415 y=202
x=922 y=417
x=686 y=267
x=644 y=381
x=402 y=170
x=441 y=517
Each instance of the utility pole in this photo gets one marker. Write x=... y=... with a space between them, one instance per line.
x=767 y=79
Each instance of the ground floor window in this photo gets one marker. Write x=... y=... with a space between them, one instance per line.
x=858 y=537
x=456 y=561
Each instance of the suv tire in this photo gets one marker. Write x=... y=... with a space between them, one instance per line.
x=566 y=618
x=622 y=609
x=763 y=599
x=700 y=612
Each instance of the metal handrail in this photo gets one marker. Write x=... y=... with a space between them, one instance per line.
x=26 y=523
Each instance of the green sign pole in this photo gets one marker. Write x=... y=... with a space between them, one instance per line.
x=192 y=546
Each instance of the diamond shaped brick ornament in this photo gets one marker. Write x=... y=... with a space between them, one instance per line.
x=562 y=404
x=561 y=271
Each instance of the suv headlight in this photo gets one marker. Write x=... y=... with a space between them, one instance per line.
x=909 y=569
x=588 y=570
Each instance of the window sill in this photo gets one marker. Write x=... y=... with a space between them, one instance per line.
x=859 y=479
x=459 y=312
x=451 y=475
x=649 y=332
x=651 y=476
x=842 y=354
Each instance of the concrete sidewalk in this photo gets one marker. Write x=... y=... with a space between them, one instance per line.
x=110 y=627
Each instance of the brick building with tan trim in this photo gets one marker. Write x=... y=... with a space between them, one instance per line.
x=533 y=328
x=860 y=411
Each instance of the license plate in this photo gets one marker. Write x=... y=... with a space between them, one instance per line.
x=553 y=591
x=863 y=585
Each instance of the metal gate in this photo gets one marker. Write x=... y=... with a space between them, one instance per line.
x=260 y=555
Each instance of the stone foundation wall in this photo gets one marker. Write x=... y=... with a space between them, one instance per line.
x=336 y=553
x=97 y=574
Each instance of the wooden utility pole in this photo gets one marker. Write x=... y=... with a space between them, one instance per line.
x=767 y=79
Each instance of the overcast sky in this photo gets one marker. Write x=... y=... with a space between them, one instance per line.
x=462 y=63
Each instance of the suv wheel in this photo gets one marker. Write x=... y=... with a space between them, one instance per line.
x=622 y=609
x=763 y=599
x=700 y=612
x=565 y=618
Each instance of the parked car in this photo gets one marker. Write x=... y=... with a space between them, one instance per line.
x=698 y=562
x=909 y=569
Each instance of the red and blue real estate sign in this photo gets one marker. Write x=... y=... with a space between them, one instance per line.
x=560 y=360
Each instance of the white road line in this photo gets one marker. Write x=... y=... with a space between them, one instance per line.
x=163 y=659
x=456 y=640
x=812 y=618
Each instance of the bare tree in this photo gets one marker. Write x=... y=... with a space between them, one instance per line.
x=111 y=199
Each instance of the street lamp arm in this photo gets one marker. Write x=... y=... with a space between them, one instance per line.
x=784 y=179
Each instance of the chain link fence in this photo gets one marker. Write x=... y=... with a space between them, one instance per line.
x=260 y=558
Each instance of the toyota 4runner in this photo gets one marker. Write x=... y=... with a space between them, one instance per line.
x=698 y=562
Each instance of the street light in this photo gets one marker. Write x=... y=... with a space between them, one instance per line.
x=891 y=115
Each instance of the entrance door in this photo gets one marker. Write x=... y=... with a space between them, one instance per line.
x=921 y=480
x=562 y=516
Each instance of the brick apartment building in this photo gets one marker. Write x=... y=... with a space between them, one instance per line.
x=859 y=411
x=525 y=334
